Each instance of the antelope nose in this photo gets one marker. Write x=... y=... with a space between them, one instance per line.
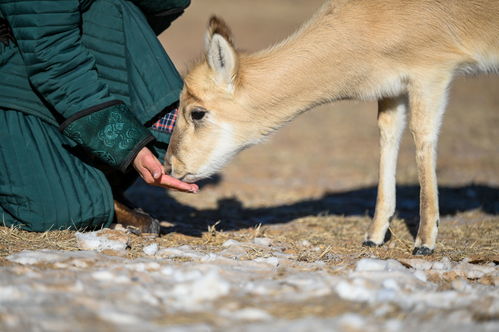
x=168 y=167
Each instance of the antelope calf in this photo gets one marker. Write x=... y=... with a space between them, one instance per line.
x=403 y=53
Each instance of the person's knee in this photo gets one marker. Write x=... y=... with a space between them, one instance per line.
x=70 y=213
x=47 y=186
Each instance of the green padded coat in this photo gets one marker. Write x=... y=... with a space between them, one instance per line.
x=77 y=75
x=80 y=66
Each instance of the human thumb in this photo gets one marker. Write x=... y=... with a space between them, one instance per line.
x=152 y=164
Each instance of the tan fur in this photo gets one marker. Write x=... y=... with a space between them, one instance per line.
x=403 y=53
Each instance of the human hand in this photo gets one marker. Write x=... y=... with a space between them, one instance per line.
x=153 y=173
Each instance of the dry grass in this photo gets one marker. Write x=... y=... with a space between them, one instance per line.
x=13 y=240
x=332 y=239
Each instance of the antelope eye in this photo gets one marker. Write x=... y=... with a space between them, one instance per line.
x=197 y=114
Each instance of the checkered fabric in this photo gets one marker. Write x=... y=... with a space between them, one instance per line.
x=166 y=123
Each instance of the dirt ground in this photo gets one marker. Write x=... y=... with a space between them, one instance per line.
x=314 y=182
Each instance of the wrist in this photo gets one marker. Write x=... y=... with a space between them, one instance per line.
x=111 y=133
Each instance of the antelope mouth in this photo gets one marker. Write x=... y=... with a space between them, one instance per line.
x=190 y=178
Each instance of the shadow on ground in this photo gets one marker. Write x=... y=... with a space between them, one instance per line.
x=357 y=202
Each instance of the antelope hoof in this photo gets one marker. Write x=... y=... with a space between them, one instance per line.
x=136 y=221
x=369 y=243
x=154 y=227
x=422 y=251
x=142 y=224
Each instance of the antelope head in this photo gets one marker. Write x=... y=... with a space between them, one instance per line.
x=215 y=118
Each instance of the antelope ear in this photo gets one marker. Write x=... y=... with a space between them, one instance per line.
x=217 y=25
x=220 y=53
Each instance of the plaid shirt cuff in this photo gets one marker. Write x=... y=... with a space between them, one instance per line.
x=166 y=123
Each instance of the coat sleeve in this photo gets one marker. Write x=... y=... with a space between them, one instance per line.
x=63 y=73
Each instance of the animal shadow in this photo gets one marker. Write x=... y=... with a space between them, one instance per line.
x=234 y=215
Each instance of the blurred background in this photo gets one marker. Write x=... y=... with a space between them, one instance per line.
x=326 y=160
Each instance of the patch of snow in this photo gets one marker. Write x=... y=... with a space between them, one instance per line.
x=391 y=284
x=10 y=293
x=463 y=269
x=106 y=275
x=229 y=243
x=461 y=285
x=371 y=264
x=250 y=314
x=205 y=287
x=274 y=261
x=262 y=241
x=473 y=271
x=423 y=265
x=309 y=284
x=211 y=257
x=103 y=275
x=143 y=266
x=180 y=252
x=30 y=257
x=420 y=275
x=394 y=325
x=305 y=243
x=444 y=264
x=102 y=240
x=151 y=249
x=182 y=276
x=352 y=322
x=355 y=291
x=419 y=264
x=234 y=251
x=117 y=317
x=137 y=294
x=442 y=300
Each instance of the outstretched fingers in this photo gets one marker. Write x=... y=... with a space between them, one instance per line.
x=153 y=173
x=173 y=183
